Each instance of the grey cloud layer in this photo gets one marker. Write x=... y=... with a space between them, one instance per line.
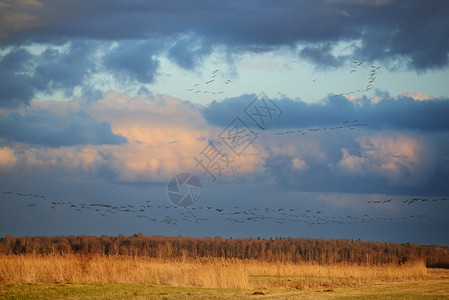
x=24 y=74
x=390 y=113
x=51 y=131
x=403 y=148
x=415 y=30
x=424 y=173
x=133 y=61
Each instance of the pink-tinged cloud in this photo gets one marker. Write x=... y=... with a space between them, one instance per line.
x=80 y=160
x=299 y=164
x=401 y=159
x=418 y=96
x=7 y=158
x=163 y=135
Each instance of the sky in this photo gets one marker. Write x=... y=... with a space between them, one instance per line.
x=316 y=119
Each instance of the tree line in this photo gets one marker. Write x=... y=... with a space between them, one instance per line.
x=321 y=251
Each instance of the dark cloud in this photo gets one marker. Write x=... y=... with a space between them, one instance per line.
x=133 y=61
x=223 y=112
x=407 y=113
x=321 y=55
x=410 y=29
x=414 y=30
x=401 y=150
x=16 y=86
x=47 y=130
x=63 y=70
x=402 y=113
x=24 y=74
x=188 y=52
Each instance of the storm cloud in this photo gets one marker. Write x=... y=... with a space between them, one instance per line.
x=128 y=39
x=383 y=113
x=414 y=30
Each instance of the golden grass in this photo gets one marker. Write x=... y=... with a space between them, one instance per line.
x=85 y=268
x=211 y=273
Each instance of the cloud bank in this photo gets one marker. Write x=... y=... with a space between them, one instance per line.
x=145 y=140
x=415 y=30
x=405 y=112
x=127 y=40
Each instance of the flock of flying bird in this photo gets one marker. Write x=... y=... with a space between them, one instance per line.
x=172 y=215
x=347 y=125
x=213 y=77
x=25 y=195
x=409 y=201
x=371 y=79
x=370 y=83
x=175 y=216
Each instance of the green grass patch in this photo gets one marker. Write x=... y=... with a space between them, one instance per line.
x=430 y=289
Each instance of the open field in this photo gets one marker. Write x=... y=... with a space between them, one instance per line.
x=423 y=289
x=102 y=277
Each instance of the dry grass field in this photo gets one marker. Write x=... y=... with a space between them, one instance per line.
x=44 y=276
